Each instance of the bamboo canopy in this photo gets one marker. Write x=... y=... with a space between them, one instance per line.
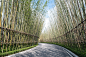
x=67 y=26
x=21 y=23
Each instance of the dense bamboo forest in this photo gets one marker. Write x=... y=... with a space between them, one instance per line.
x=24 y=23
x=67 y=26
x=21 y=22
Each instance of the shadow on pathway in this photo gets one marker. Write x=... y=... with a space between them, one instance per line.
x=43 y=50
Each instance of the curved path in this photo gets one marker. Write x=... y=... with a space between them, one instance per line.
x=44 y=50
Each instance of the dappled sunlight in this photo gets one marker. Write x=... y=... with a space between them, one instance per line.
x=25 y=23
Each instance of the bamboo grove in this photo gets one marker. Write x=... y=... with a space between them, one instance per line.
x=20 y=23
x=69 y=26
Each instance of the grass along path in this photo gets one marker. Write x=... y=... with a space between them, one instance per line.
x=16 y=51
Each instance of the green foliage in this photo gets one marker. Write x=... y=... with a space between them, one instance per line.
x=24 y=20
x=45 y=4
x=16 y=51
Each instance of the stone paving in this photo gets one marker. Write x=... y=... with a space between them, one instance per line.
x=43 y=50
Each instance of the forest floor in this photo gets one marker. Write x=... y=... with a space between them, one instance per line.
x=43 y=50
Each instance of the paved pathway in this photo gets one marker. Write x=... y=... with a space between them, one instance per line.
x=43 y=50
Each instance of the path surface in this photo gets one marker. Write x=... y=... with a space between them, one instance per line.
x=43 y=50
